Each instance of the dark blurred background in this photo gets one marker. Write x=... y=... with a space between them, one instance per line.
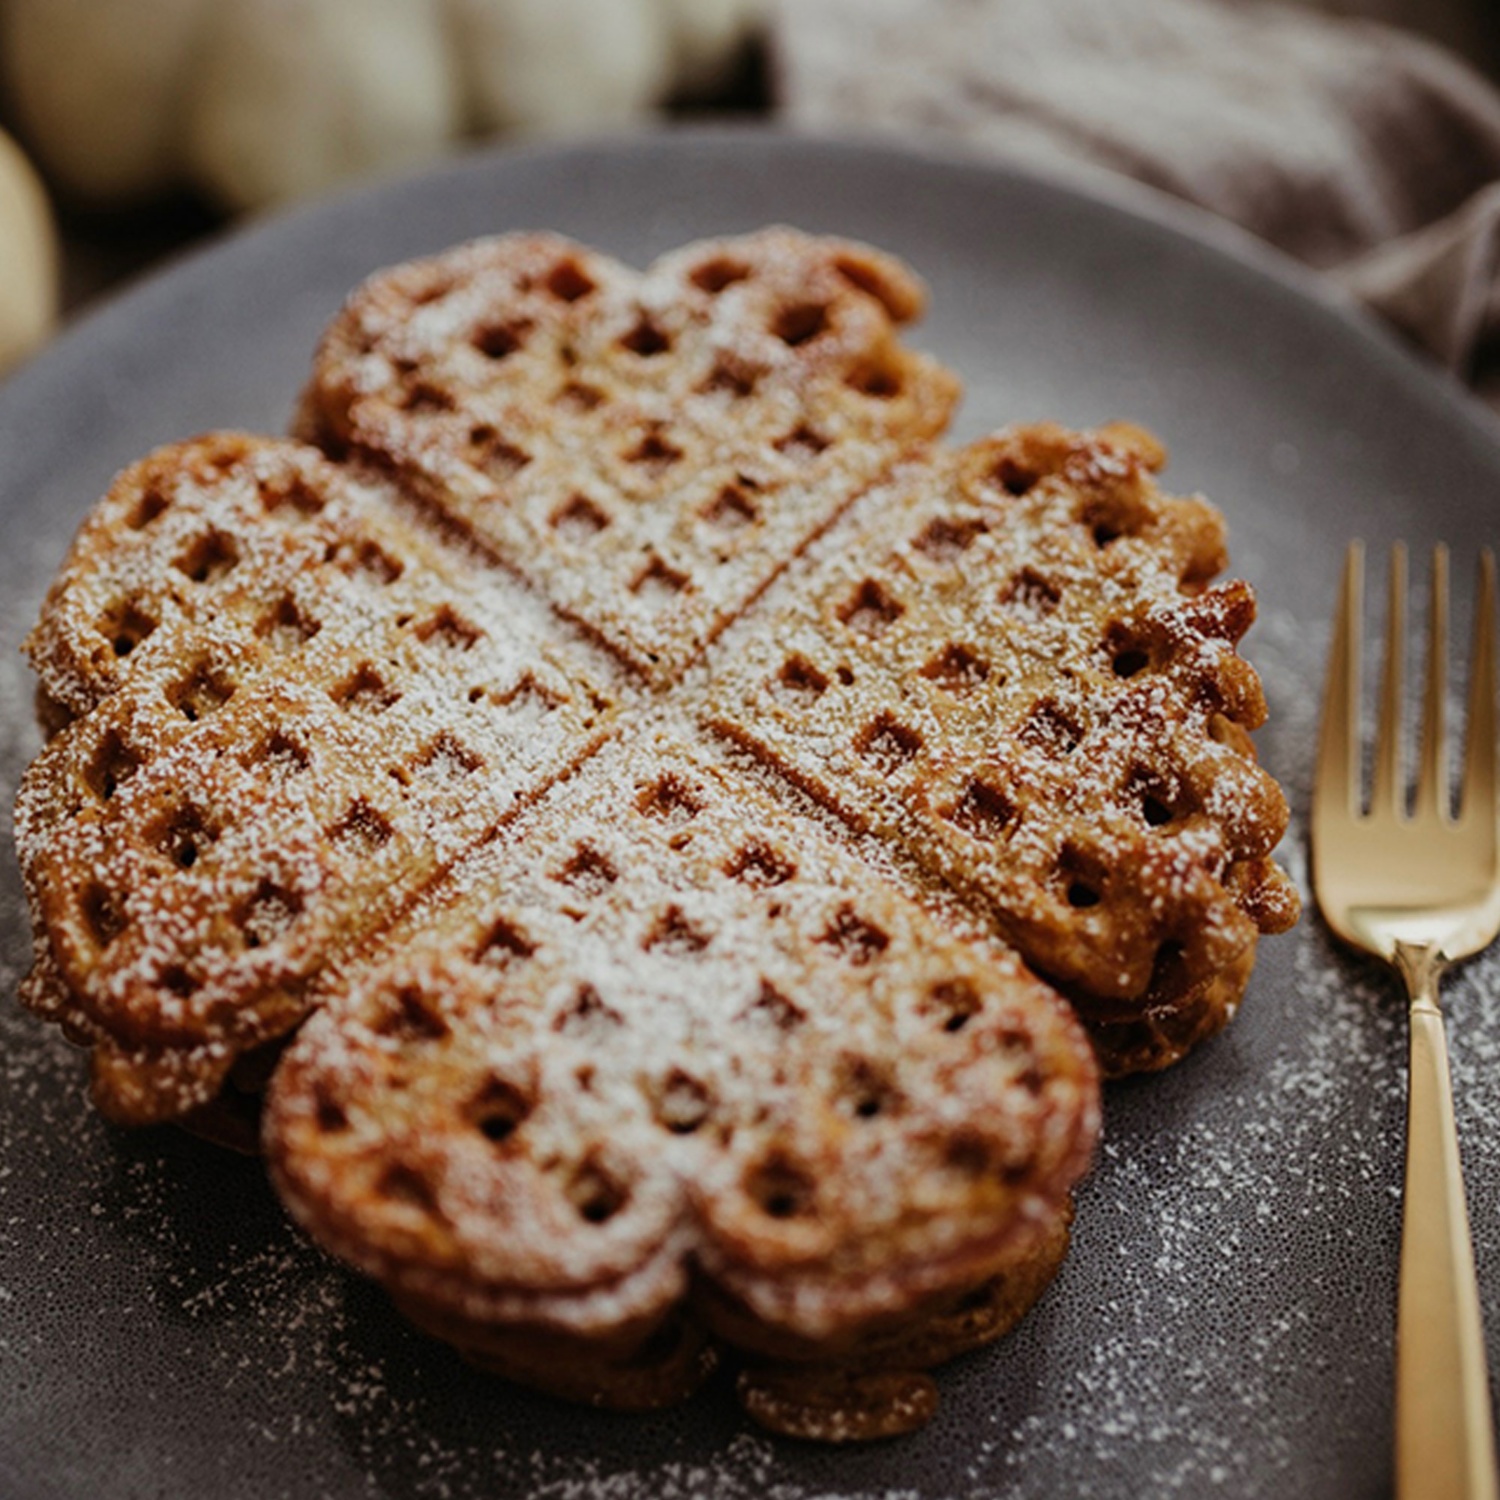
x=1362 y=136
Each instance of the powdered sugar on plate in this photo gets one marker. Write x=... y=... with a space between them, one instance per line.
x=1251 y=1192
x=1224 y=1322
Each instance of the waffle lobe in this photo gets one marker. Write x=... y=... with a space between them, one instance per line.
x=652 y=766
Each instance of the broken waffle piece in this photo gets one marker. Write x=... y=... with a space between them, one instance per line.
x=1012 y=663
x=664 y=1034
x=315 y=710
x=648 y=448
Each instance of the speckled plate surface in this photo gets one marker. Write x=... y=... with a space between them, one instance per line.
x=1224 y=1322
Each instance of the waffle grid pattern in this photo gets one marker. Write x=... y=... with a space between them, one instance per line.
x=616 y=1055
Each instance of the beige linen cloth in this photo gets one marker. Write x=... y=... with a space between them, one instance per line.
x=1365 y=152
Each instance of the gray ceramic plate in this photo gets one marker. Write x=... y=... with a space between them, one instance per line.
x=1224 y=1322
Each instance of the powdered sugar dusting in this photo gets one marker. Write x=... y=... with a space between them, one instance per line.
x=649 y=448
x=216 y=827
x=682 y=970
x=1234 y=1240
x=1253 y=1189
x=1007 y=662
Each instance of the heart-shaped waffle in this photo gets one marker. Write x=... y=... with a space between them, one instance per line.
x=1010 y=663
x=630 y=1044
x=648 y=449
x=666 y=1026
x=293 y=708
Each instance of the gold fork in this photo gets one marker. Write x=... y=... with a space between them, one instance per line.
x=1420 y=890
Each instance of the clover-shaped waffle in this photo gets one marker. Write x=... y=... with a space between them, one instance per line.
x=652 y=761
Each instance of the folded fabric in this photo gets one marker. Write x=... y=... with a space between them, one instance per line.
x=1353 y=146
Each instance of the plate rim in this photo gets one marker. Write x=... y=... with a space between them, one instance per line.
x=1410 y=374
x=1228 y=242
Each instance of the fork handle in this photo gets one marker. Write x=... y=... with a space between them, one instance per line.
x=1445 y=1444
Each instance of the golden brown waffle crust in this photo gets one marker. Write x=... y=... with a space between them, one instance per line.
x=242 y=633
x=872 y=1387
x=1011 y=663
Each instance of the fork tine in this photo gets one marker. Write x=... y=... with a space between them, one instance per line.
x=1432 y=782
x=1479 y=799
x=1336 y=785
x=1389 y=793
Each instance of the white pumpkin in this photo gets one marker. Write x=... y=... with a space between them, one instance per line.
x=28 y=258
x=99 y=86
x=292 y=96
x=258 y=101
x=561 y=64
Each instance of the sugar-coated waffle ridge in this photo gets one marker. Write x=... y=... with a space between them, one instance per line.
x=613 y=786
